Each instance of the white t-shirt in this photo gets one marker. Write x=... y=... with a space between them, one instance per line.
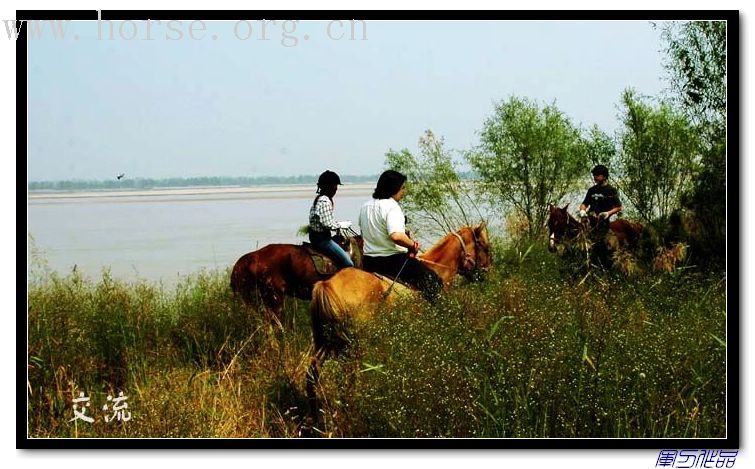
x=378 y=218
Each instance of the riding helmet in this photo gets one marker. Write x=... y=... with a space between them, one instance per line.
x=328 y=178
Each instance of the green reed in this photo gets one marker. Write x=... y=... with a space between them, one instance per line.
x=534 y=350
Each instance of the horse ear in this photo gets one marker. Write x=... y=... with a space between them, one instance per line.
x=565 y=207
x=481 y=228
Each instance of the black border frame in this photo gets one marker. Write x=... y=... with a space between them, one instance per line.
x=733 y=236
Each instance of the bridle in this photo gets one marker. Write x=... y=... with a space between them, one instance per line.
x=467 y=261
x=571 y=230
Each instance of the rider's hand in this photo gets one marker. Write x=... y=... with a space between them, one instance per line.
x=603 y=215
x=344 y=225
x=414 y=249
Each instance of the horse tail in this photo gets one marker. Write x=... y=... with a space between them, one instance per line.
x=327 y=311
x=236 y=280
x=241 y=277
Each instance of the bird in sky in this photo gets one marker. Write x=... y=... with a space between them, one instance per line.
x=120 y=176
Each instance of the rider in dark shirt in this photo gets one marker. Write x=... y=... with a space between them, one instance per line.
x=602 y=201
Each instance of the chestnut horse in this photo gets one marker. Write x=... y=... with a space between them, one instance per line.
x=276 y=271
x=564 y=227
x=353 y=295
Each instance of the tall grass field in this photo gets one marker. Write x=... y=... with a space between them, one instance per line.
x=531 y=351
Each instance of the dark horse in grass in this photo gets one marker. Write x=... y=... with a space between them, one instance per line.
x=562 y=227
x=270 y=274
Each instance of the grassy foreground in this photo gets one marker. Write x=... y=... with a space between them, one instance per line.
x=530 y=352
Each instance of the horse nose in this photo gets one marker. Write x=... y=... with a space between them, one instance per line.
x=480 y=274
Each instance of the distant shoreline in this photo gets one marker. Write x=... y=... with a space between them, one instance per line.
x=343 y=190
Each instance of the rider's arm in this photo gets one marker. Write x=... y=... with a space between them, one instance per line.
x=616 y=203
x=395 y=221
x=400 y=238
x=614 y=211
x=613 y=196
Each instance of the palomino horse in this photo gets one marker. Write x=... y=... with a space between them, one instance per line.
x=277 y=271
x=353 y=295
x=564 y=227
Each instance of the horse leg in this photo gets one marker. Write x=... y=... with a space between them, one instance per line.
x=313 y=381
x=276 y=312
x=272 y=305
x=288 y=318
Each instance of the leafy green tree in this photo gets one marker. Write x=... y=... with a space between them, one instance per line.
x=600 y=147
x=528 y=157
x=437 y=197
x=658 y=159
x=697 y=65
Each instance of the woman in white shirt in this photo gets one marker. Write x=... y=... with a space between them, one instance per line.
x=387 y=247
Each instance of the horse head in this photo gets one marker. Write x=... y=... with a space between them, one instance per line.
x=475 y=254
x=561 y=226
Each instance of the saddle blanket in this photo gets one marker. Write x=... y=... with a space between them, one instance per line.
x=323 y=264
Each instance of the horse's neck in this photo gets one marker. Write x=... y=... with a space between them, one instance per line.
x=444 y=257
x=573 y=225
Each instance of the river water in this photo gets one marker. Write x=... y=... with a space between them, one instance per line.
x=163 y=235
x=166 y=234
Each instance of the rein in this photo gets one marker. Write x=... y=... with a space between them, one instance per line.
x=586 y=228
x=434 y=263
x=574 y=228
x=467 y=256
x=388 y=291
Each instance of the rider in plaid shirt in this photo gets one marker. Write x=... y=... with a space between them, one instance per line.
x=321 y=221
x=321 y=215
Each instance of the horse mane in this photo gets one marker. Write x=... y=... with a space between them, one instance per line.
x=571 y=221
x=442 y=244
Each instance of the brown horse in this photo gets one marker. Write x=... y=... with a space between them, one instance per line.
x=564 y=227
x=352 y=296
x=276 y=271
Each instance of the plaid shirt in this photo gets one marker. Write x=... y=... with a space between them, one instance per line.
x=321 y=215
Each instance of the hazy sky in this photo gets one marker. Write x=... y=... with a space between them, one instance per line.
x=231 y=107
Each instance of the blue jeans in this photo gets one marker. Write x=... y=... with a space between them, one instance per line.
x=334 y=251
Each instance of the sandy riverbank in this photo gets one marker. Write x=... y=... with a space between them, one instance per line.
x=266 y=191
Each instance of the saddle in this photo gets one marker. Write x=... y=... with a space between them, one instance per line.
x=324 y=265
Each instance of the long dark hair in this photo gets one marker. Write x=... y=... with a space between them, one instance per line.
x=388 y=184
x=327 y=190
